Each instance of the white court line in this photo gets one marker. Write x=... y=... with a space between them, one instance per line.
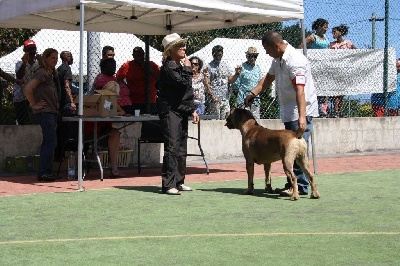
x=191 y=235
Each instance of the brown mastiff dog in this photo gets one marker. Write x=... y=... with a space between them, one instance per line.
x=264 y=146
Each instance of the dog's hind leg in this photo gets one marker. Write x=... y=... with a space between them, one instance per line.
x=250 y=177
x=288 y=168
x=267 y=171
x=302 y=161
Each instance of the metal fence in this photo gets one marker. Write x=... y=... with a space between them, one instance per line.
x=354 y=83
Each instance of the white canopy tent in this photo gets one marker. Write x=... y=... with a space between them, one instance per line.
x=148 y=17
x=62 y=40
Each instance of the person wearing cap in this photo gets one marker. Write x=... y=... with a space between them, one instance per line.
x=134 y=74
x=247 y=80
x=24 y=70
x=218 y=80
x=294 y=84
x=175 y=105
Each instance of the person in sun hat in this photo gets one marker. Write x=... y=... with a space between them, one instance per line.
x=134 y=74
x=248 y=78
x=24 y=70
x=175 y=105
x=218 y=79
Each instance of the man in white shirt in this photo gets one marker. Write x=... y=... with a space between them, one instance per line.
x=24 y=70
x=294 y=84
x=217 y=84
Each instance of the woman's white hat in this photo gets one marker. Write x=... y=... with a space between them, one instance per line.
x=170 y=40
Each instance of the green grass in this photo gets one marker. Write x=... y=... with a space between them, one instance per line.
x=354 y=223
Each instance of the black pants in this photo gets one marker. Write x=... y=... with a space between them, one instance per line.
x=175 y=133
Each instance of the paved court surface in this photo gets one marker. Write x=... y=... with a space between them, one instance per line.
x=232 y=169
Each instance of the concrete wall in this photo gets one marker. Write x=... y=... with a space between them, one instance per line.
x=332 y=136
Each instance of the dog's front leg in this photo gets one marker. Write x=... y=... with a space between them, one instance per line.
x=267 y=171
x=250 y=177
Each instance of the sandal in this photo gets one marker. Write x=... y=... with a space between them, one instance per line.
x=116 y=173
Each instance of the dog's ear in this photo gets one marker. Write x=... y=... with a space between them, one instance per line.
x=299 y=133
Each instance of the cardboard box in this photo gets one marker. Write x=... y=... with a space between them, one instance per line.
x=102 y=104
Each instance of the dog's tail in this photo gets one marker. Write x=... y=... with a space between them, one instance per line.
x=299 y=134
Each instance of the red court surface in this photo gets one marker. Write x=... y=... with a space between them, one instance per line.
x=233 y=169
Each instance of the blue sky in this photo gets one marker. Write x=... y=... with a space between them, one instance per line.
x=356 y=14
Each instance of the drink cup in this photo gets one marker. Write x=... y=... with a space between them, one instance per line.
x=137 y=112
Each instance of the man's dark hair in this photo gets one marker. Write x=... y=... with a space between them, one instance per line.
x=107 y=48
x=217 y=48
x=271 y=37
x=63 y=54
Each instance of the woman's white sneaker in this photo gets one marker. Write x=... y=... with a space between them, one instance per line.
x=173 y=191
x=183 y=187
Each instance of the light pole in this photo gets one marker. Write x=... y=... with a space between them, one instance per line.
x=374 y=19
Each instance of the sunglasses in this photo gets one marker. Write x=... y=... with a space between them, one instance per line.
x=195 y=64
x=252 y=56
x=181 y=45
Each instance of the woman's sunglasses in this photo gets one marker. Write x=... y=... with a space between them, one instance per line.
x=252 y=56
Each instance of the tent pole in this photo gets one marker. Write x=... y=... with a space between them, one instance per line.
x=314 y=157
x=147 y=74
x=80 y=106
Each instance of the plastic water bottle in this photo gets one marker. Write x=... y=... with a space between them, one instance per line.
x=71 y=166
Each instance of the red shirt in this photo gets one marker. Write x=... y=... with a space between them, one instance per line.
x=134 y=74
x=101 y=80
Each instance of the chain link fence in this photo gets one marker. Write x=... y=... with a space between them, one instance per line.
x=350 y=82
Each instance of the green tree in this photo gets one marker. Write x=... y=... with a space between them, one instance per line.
x=13 y=38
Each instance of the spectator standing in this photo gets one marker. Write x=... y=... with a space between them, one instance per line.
x=249 y=77
x=394 y=96
x=133 y=72
x=377 y=99
x=65 y=130
x=338 y=33
x=107 y=51
x=198 y=83
x=8 y=78
x=24 y=70
x=65 y=78
x=218 y=80
x=294 y=85
x=42 y=94
x=318 y=40
x=175 y=105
